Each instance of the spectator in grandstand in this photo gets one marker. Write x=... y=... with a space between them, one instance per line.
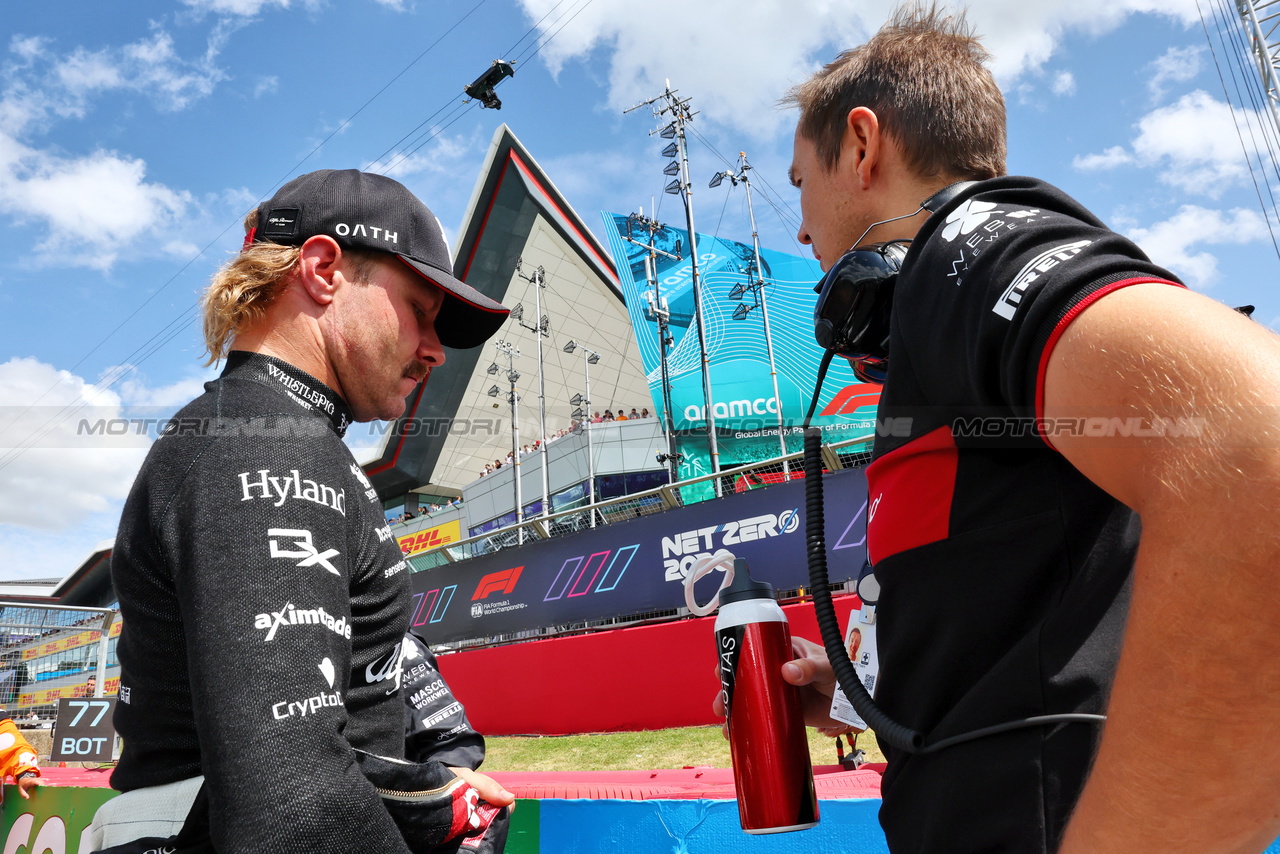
x=620 y=416
x=633 y=414
x=608 y=415
x=644 y=413
x=264 y=609
x=595 y=418
x=17 y=757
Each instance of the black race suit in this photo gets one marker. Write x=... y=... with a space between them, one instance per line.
x=264 y=603
x=1005 y=573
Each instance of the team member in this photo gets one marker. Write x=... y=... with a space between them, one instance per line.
x=17 y=757
x=1047 y=386
x=263 y=597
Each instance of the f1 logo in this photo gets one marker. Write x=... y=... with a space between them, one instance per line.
x=305 y=549
x=504 y=581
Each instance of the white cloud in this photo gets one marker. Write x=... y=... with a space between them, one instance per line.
x=243 y=8
x=703 y=54
x=91 y=207
x=1196 y=143
x=266 y=86
x=440 y=156
x=1169 y=243
x=1064 y=83
x=63 y=476
x=1176 y=65
x=1109 y=159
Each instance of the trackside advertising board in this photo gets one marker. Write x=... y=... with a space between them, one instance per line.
x=638 y=566
x=743 y=402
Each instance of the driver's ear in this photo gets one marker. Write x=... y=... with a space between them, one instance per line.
x=318 y=263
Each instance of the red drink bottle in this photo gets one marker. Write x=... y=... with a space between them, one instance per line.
x=771 y=766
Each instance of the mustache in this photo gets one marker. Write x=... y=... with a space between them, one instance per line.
x=416 y=371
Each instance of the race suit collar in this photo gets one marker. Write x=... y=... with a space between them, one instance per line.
x=298 y=385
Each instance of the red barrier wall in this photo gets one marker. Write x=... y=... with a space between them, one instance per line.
x=645 y=678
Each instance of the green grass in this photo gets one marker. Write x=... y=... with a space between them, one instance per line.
x=621 y=751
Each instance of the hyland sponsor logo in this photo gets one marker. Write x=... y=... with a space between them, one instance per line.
x=286 y=709
x=503 y=581
x=390 y=667
x=291 y=616
x=681 y=551
x=304 y=548
x=278 y=490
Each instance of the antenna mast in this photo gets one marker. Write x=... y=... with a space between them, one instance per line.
x=667 y=104
x=1261 y=20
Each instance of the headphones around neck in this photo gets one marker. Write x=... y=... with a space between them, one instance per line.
x=855 y=297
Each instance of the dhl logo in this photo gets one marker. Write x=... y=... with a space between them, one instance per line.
x=852 y=398
x=504 y=581
x=51 y=695
x=449 y=532
x=69 y=642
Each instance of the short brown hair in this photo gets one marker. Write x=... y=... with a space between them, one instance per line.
x=241 y=291
x=924 y=77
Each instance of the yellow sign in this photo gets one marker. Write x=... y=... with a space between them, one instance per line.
x=420 y=541
x=49 y=696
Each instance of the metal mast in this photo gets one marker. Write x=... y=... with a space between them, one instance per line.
x=659 y=311
x=668 y=104
x=583 y=414
x=757 y=286
x=1261 y=20
x=540 y=329
x=512 y=353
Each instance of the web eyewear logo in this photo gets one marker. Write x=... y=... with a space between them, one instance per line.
x=504 y=581
x=305 y=549
x=966 y=218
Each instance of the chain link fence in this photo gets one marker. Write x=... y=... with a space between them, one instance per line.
x=49 y=652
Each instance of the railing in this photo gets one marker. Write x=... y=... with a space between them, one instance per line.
x=52 y=651
x=849 y=453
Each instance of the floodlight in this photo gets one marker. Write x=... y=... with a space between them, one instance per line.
x=593 y=358
x=517 y=313
x=576 y=400
x=544 y=324
x=716 y=179
x=513 y=377
x=673 y=188
x=492 y=369
x=668 y=132
x=670 y=150
x=571 y=346
x=494 y=391
x=672 y=168
x=741 y=311
x=578 y=413
x=737 y=291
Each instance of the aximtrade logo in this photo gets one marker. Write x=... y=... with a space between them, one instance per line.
x=681 y=551
x=504 y=581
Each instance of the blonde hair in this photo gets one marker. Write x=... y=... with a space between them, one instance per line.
x=241 y=291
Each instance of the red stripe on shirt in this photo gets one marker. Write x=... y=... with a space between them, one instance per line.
x=1058 y=330
x=911 y=490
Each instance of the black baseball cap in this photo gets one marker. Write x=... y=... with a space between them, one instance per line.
x=362 y=210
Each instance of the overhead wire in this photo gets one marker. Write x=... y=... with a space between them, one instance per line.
x=1239 y=134
x=171 y=329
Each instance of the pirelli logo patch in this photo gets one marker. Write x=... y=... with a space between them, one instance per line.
x=1009 y=301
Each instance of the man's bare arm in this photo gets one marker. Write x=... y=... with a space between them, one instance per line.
x=1190 y=759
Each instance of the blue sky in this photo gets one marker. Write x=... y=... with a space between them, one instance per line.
x=133 y=137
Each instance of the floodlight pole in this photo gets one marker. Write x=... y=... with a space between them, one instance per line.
x=681 y=116
x=743 y=167
x=512 y=353
x=1264 y=52
x=587 y=353
x=660 y=311
x=539 y=281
